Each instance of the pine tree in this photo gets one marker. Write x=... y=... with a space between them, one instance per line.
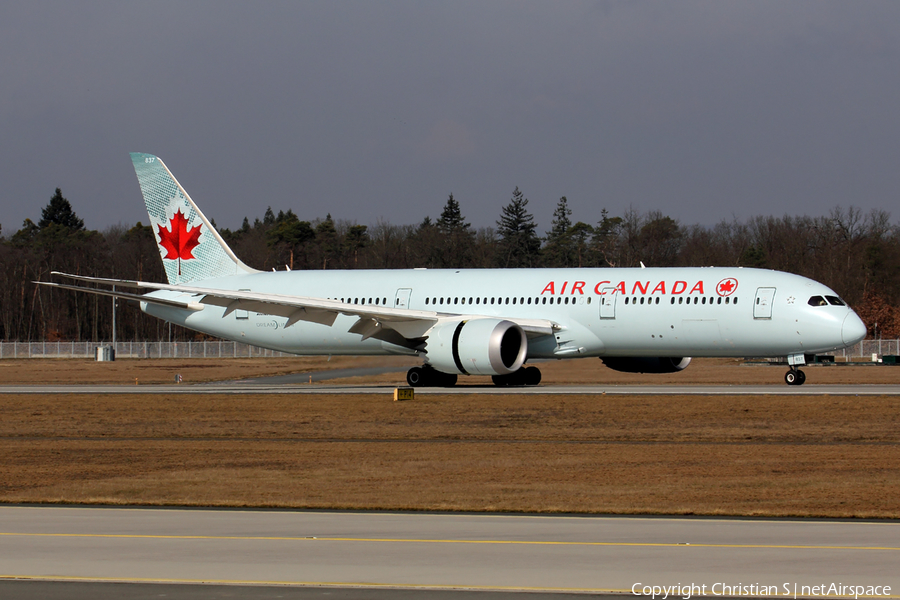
x=59 y=212
x=327 y=240
x=456 y=237
x=519 y=244
x=559 y=251
x=451 y=219
x=356 y=239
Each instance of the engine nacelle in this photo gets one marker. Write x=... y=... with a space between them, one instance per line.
x=476 y=347
x=647 y=364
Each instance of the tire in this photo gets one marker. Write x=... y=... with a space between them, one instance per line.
x=801 y=377
x=416 y=377
x=532 y=376
x=791 y=378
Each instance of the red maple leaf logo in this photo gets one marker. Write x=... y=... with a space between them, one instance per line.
x=178 y=241
x=726 y=287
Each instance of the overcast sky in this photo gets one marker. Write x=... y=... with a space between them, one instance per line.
x=373 y=110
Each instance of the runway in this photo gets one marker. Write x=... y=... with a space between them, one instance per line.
x=597 y=389
x=550 y=554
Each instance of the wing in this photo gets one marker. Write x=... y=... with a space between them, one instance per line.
x=380 y=322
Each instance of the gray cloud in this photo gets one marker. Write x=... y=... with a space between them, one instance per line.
x=702 y=110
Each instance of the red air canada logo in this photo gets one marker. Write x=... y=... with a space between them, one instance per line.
x=727 y=287
x=178 y=241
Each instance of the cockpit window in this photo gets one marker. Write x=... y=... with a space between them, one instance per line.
x=817 y=301
x=835 y=301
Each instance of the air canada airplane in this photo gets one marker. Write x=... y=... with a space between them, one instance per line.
x=478 y=321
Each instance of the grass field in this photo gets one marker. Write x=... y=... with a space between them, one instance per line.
x=762 y=455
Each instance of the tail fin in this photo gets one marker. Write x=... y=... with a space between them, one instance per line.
x=191 y=249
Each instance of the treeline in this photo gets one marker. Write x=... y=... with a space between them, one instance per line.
x=856 y=254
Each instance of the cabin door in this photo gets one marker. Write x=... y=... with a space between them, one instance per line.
x=401 y=300
x=762 y=306
x=608 y=303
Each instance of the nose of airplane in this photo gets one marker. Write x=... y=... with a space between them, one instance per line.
x=853 y=329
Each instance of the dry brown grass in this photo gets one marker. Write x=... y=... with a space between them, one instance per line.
x=761 y=455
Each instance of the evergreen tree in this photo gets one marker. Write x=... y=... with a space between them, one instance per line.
x=356 y=239
x=455 y=245
x=605 y=240
x=579 y=234
x=451 y=219
x=269 y=217
x=559 y=250
x=519 y=244
x=59 y=212
x=289 y=236
x=327 y=240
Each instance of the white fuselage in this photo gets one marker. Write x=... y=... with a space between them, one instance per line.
x=597 y=312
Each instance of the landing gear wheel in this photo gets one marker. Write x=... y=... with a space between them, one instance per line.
x=795 y=377
x=416 y=377
x=446 y=380
x=500 y=380
x=532 y=376
x=428 y=377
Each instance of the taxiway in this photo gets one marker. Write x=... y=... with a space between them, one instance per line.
x=440 y=551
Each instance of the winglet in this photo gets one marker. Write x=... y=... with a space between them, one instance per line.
x=190 y=247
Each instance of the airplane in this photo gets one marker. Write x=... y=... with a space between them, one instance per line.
x=477 y=321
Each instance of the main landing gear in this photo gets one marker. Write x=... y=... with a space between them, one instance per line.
x=795 y=377
x=524 y=376
x=426 y=376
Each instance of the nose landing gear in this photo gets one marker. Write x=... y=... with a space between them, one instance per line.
x=795 y=377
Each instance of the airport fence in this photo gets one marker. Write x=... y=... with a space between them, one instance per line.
x=212 y=349
x=222 y=349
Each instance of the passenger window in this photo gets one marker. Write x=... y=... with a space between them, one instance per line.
x=680 y=300
x=727 y=299
x=626 y=299
x=835 y=301
x=720 y=300
x=817 y=301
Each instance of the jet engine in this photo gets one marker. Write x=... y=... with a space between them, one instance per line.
x=647 y=364
x=476 y=347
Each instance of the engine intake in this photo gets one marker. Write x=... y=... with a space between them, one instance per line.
x=476 y=347
x=647 y=364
